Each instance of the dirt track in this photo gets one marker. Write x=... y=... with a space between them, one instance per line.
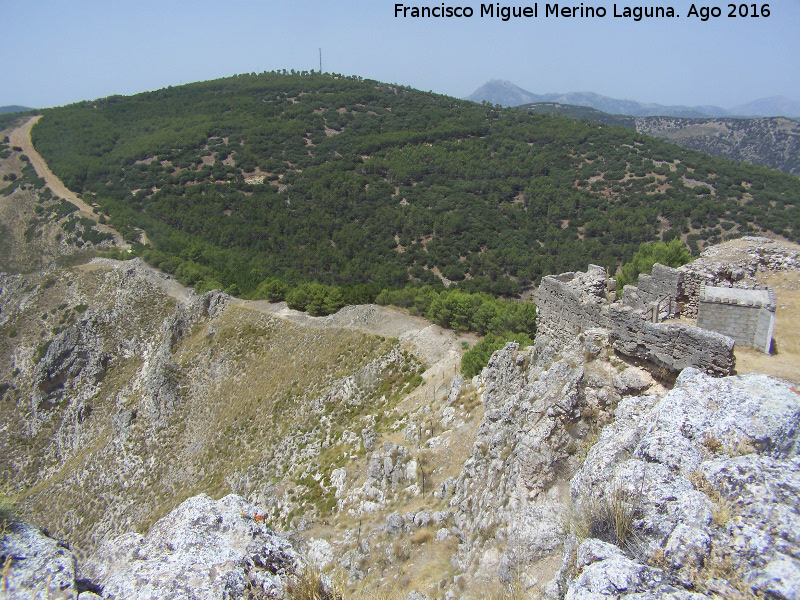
x=21 y=136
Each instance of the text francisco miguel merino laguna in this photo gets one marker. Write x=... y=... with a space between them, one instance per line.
x=505 y=13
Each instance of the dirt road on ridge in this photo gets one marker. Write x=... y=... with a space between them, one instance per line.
x=21 y=136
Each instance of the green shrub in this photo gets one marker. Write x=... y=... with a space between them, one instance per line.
x=271 y=289
x=476 y=358
x=671 y=254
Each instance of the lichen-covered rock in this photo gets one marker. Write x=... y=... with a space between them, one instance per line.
x=387 y=466
x=202 y=550
x=456 y=384
x=705 y=482
x=632 y=380
x=75 y=353
x=534 y=407
x=368 y=437
x=605 y=572
x=39 y=567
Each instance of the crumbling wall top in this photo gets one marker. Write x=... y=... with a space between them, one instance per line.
x=741 y=297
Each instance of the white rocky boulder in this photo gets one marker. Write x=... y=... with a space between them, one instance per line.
x=35 y=566
x=693 y=493
x=202 y=550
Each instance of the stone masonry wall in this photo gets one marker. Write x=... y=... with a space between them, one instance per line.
x=673 y=346
x=734 y=267
x=568 y=304
x=664 y=283
x=764 y=330
x=574 y=302
x=737 y=322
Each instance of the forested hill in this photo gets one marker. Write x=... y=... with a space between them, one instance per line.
x=309 y=177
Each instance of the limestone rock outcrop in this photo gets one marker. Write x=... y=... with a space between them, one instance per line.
x=75 y=353
x=537 y=410
x=690 y=495
x=202 y=550
x=36 y=566
x=158 y=380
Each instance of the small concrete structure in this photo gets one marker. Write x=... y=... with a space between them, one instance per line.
x=747 y=316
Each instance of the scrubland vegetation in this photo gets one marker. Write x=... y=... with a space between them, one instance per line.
x=362 y=186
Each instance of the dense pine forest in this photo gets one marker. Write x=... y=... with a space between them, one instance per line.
x=266 y=182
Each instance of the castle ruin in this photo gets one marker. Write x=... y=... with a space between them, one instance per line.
x=573 y=302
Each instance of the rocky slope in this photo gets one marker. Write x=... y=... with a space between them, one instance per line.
x=701 y=478
x=770 y=142
x=691 y=494
x=202 y=550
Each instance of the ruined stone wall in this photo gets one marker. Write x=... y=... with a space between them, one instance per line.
x=566 y=306
x=574 y=302
x=664 y=284
x=697 y=276
x=674 y=346
x=733 y=265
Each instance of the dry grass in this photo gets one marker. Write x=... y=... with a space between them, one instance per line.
x=713 y=444
x=588 y=440
x=719 y=577
x=609 y=518
x=722 y=512
x=247 y=392
x=423 y=536
x=310 y=585
x=7 y=507
x=510 y=591
x=398 y=566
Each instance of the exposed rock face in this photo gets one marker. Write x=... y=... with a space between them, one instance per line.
x=536 y=411
x=202 y=550
x=40 y=566
x=709 y=476
x=159 y=380
x=75 y=353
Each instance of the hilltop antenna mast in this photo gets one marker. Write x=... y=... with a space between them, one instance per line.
x=320 y=61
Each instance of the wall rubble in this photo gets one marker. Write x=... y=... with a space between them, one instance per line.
x=734 y=265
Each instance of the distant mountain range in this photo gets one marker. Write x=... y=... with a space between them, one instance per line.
x=506 y=93
x=13 y=108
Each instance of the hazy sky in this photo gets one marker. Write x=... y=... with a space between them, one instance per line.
x=57 y=52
